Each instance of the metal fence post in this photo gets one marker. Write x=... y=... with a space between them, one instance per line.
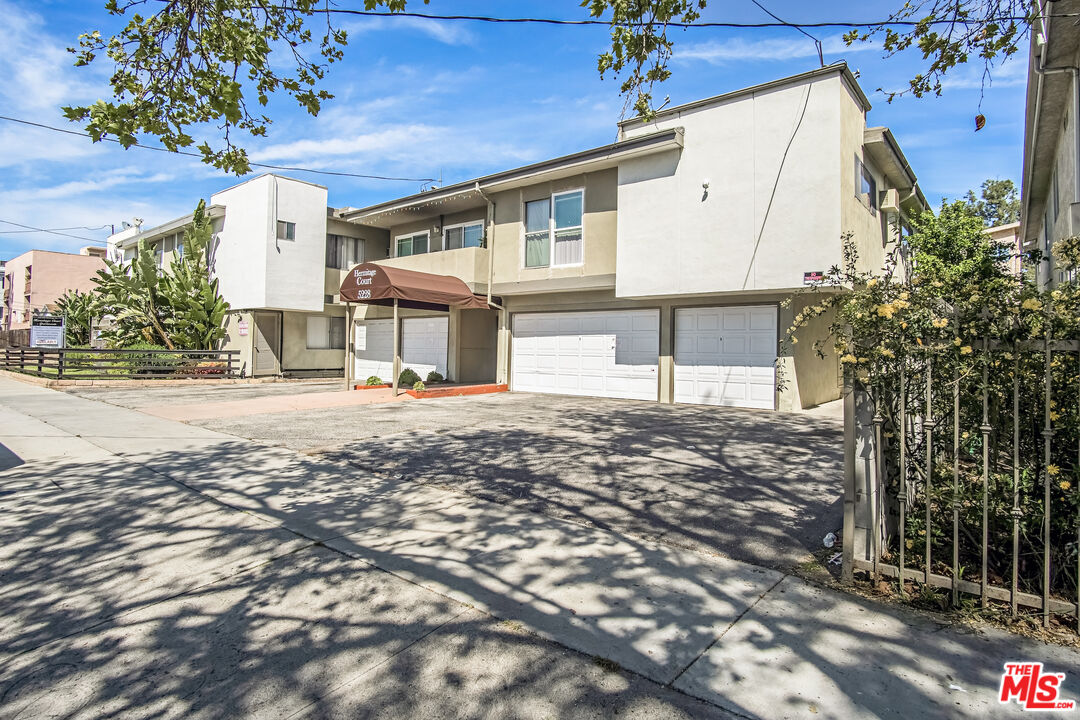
x=847 y=569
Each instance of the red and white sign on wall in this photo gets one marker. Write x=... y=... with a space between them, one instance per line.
x=242 y=326
x=1032 y=688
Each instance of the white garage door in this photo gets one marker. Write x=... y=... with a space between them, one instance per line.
x=600 y=354
x=423 y=347
x=726 y=356
x=374 y=341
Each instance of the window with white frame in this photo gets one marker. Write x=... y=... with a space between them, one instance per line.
x=343 y=252
x=554 y=230
x=416 y=244
x=179 y=245
x=465 y=235
x=325 y=333
x=286 y=230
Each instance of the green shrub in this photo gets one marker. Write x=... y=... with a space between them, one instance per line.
x=434 y=377
x=418 y=386
x=408 y=378
x=374 y=380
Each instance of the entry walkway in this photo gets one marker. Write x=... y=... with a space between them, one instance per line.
x=148 y=566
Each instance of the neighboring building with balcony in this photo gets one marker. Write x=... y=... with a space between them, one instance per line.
x=279 y=256
x=35 y=280
x=1050 y=191
x=655 y=268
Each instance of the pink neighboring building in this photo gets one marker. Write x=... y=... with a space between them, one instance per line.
x=36 y=279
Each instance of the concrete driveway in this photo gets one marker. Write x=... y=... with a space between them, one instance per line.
x=756 y=486
x=150 y=568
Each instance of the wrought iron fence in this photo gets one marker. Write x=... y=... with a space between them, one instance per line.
x=963 y=474
x=95 y=364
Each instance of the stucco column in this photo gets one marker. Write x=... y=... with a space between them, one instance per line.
x=665 y=376
x=350 y=344
x=453 y=350
x=502 y=353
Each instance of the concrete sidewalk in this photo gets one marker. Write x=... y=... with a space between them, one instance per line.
x=747 y=640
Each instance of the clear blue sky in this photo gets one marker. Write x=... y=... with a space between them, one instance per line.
x=423 y=99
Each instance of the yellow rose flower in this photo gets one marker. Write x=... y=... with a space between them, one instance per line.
x=966 y=350
x=849 y=358
x=871 y=282
x=1031 y=304
x=1064 y=484
x=940 y=323
x=886 y=352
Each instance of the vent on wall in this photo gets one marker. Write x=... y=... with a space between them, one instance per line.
x=330 y=299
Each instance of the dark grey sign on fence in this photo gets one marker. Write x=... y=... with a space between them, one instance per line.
x=47 y=331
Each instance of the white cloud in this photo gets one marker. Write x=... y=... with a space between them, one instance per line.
x=1011 y=73
x=739 y=49
x=39 y=75
x=73 y=188
x=448 y=33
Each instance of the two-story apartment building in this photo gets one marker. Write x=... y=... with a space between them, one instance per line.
x=654 y=268
x=1050 y=189
x=35 y=280
x=278 y=254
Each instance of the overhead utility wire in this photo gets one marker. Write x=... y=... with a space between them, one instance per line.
x=732 y=25
x=51 y=232
x=817 y=43
x=197 y=155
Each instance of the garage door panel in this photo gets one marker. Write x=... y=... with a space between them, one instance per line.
x=603 y=354
x=726 y=356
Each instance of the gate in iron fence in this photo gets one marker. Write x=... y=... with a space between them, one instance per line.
x=94 y=364
x=962 y=476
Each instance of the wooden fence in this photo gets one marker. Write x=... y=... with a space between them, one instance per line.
x=93 y=364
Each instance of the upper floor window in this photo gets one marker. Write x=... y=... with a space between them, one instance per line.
x=465 y=235
x=343 y=252
x=866 y=186
x=286 y=230
x=412 y=244
x=554 y=230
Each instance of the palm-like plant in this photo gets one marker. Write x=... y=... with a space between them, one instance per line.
x=78 y=310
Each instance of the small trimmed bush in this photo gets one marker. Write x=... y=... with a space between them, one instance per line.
x=434 y=377
x=374 y=380
x=408 y=378
x=418 y=386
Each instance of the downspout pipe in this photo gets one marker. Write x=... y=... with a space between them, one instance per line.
x=489 y=230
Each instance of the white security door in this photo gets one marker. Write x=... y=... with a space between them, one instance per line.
x=601 y=354
x=726 y=356
x=424 y=343
x=374 y=341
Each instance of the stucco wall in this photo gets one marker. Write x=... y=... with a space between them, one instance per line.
x=868 y=229
x=1065 y=158
x=295 y=353
x=770 y=212
x=599 y=227
x=255 y=268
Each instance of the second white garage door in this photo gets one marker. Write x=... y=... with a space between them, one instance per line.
x=726 y=356
x=423 y=347
x=599 y=354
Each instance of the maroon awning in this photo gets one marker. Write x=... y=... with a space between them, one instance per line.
x=376 y=284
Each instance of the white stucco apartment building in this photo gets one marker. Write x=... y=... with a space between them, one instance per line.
x=653 y=268
x=1050 y=190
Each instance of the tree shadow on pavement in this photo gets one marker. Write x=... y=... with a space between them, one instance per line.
x=256 y=620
